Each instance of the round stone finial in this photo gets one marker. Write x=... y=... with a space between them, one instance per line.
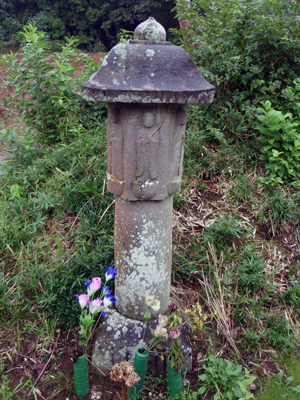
x=150 y=30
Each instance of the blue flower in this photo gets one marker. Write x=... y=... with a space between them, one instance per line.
x=106 y=290
x=87 y=283
x=110 y=273
x=108 y=300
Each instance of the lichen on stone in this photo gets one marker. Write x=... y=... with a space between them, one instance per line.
x=120 y=50
x=149 y=53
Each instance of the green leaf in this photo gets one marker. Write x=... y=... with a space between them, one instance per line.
x=147 y=315
x=202 y=390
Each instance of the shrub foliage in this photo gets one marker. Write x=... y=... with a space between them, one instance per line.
x=94 y=23
x=250 y=50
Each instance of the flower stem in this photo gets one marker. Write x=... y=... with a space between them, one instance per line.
x=123 y=391
x=145 y=326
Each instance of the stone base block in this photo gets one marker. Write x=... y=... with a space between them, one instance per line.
x=118 y=338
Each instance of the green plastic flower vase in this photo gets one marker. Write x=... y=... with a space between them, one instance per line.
x=81 y=376
x=140 y=366
x=174 y=377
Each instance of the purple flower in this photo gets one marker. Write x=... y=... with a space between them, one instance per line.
x=95 y=305
x=83 y=299
x=175 y=332
x=93 y=286
x=110 y=273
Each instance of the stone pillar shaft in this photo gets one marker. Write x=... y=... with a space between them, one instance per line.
x=143 y=254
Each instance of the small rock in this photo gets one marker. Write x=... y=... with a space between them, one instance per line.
x=252 y=387
x=186 y=383
x=150 y=394
x=161 y=395
x=96 y=395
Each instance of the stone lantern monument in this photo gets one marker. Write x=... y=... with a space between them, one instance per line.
x=147 y=84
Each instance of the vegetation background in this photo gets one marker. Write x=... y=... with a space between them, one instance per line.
x=236 y=221
x=95 y=23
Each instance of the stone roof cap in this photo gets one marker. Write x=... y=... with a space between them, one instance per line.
x=148 y=69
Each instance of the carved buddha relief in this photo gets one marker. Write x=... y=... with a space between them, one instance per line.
x=146 y=185
x=145 y=150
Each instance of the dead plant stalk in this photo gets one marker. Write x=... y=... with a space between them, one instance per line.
x=217 y=302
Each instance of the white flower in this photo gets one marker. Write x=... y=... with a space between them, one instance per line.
x=163 y=320
x=160 y=332
x=149 y=300
x=152 y=302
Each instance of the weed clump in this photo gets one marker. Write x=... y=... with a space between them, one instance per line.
x=223 y=232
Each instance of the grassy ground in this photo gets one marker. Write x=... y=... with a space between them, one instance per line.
x=235 y=262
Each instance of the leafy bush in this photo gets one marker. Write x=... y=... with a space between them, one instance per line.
x=249 y=50
x=281 y=144
x=46 y=86
x=225 y=379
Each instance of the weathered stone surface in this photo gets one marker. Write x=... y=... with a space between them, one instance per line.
x=118 y=338
x=148 y=70
x=143 y=254
x=145 y=150
x=150 y=30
